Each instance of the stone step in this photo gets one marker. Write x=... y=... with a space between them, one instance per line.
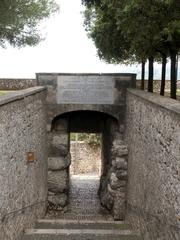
x=76 y=216
x=74 y=224
x=79 y=234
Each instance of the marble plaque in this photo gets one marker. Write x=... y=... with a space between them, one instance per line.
x=85 y=90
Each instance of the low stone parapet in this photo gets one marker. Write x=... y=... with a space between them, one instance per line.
x=153 y=137
x=23 y=161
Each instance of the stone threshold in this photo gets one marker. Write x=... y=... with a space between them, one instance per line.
x=94 y=232
x=62 y=221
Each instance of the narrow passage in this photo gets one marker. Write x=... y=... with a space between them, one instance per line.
x=84 y=202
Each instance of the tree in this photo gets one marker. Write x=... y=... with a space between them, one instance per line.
x=168 y=40
x=172 y=34
x=19 y=20
x=150 y=27
x=113 y=34
x=140 y=23
x=100 y=23
x=143 y=64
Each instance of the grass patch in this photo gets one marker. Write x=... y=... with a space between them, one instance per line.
x=3 y=92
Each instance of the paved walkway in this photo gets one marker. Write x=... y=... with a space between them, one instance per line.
x=85 y=219
x=84 y=202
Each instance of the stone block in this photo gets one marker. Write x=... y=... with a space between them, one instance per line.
x=111 y=191
x=59 y=138
x=117 y=140
x=59 y=163
x=59 y=144
x=119 y=150
x=122 y=128
x=117 y=137
x=121 y=191
x=116 y=183
x=61 y=125
x=58 y=181
x=57 y=201
x=51 y=96
x=119 y=208
x=120 y=163
x=121 y=174
x=106 y=199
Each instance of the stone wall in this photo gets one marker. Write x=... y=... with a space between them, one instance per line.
x=16 y=84
x=59 y=159
x=23 y=184
x=153 y=137
x=113 y=187
x=157 y=84
x=86 y=159
x=78 y=91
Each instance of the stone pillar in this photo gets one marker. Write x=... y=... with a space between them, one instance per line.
x=118 y=178
x=113 y=185
x=58 y=165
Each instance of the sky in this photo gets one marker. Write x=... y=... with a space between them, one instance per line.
x=66 y=48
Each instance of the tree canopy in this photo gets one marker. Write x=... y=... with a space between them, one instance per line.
x=135 y=30
x=19 y=20
x=111 y=44
x=148 y=25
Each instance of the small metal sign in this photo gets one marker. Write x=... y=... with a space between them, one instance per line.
x=31 y=157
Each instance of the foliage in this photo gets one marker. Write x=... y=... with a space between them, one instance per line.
x=142 y=27
x=19 y=20
x=155 y=25
x=92 y=139
x=101 y=25
x=135 y=30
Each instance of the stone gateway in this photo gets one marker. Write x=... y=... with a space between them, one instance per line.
x=86 y=90
x=140 y=160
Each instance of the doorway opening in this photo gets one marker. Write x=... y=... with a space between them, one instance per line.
x=85 y=173
x=82 y=145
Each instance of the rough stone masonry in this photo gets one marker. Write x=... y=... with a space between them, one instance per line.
x=113 y=188
x=99 y=93
x=153 y=138
x=59 y=161
x=23 y=184
x=140 y=179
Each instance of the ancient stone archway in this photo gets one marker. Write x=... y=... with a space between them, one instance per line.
x=95 y=103
x=111 y=188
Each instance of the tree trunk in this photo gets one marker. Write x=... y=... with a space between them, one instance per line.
x=151 y=74
x=163 y=76
x=142 y=75
x=173 y=56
